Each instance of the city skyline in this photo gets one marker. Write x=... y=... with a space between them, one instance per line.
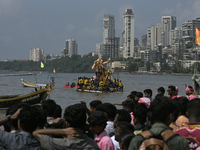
x=47 y=25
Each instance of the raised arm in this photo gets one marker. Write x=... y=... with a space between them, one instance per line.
x=68 y=132
x=9 y=118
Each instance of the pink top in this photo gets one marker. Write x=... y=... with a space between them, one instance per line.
x=145 y=100
x=175 y=96
x=132 y=118
x=191 y=97
x=104 y=141
x=198 y=148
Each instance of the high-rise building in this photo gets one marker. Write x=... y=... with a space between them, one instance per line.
x=168 y=24
x=154 y=36
x=36 y=54
x=71 y=47
x=108 y=27
x=99 y=48
x=128 y=34
x=188 y=30
x=110 y=45
x=176 y=35
x=136 y=42
x=144 y=40
x=111 y=48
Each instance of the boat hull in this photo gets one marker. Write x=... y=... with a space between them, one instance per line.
x=32 y=85
x=31 y=98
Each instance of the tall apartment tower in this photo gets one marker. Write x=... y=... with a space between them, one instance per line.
x=188 y=29
x=176 y=35
x=71 y=47
x=128 y=34
x=36 y=54
x=168 y=24
x=108 y=27
x=154 y=36
x=144 y=40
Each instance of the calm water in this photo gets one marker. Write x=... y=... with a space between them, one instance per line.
x=67 y=96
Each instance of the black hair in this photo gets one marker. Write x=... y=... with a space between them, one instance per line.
x=161 y=89
x=75 y=115
x=133 y=93
x=31 y=119
x=148 y=91
x=123 y=115
x=181 y=102
x=58 y=112
x=173 y=88
x=139 y=94
x=49 y=106
x=97 y=118
x=161 y=107
x=123 y=126
x=125 y=139
x=109 y=109
x=131 y=96
x=95 y=103
x=140 y=112
x=128 y=103
x=193 y=108
x=11 y=110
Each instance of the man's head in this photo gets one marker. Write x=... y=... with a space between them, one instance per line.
x=162 y=110
x=122 y=115
x=128 y=105
x=148 y=93
x=13 y=125
x=161 y=91
x=171 y=90
x=97 y=121
x=75 y=116
x=109 y=109
x=94 y=104
x=29 y=120
x=121 y=128
x=138 y=95
x=140 y=114
x=49 y=106
x=189 y=90
x=193 y=110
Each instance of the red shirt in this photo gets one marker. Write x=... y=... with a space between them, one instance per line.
x=190 y=131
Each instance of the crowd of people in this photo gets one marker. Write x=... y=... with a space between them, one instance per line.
x=107 y=85
x=167 y=121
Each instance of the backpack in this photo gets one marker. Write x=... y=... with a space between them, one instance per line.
x=156 y=143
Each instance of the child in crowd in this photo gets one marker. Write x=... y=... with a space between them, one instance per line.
x=111 y=112
x=97 y=121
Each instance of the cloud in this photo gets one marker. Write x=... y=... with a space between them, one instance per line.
x=10 y=8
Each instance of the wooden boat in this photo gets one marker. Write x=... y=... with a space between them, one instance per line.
x=89 y=91
x=28 y=84
x=98 y=91
x=30 y=98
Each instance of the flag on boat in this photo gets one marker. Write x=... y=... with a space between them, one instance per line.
x=42 y=65
x=197 y=36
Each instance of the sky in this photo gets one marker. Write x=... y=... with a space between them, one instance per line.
x=47 y=24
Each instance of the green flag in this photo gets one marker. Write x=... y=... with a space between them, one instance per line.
x=42 y=65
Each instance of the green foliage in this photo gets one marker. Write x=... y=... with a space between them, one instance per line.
x=75 y=64
x=132 y=67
